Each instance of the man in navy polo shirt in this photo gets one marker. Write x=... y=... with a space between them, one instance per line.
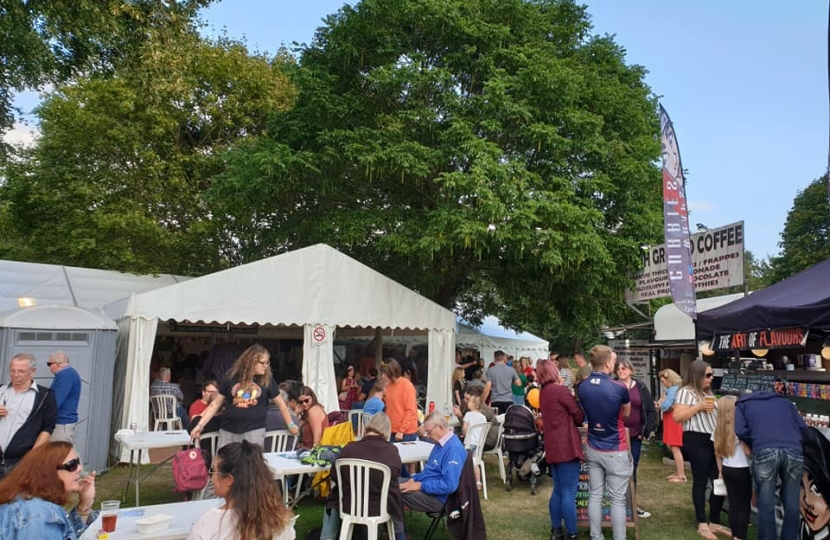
x=606 y=404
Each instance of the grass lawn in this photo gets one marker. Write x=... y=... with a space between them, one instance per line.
x=515 y=515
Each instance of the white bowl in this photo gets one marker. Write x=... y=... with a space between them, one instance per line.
x=152 y=524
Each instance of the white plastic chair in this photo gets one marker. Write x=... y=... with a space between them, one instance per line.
x=358 y=419
x=164 y=412
x=279 y=440
x=476 y=434
x=213 y=439
x=359 y=483
x=498 y=451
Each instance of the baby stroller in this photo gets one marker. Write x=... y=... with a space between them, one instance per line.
x=523 y=444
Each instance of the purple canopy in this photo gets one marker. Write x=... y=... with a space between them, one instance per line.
x=802 y=300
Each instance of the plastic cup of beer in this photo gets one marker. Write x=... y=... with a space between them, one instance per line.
x=109 y=514
x=712 y=400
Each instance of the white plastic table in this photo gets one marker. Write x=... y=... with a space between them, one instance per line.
x=184 y=515
x=287 y=463
x=145 y=440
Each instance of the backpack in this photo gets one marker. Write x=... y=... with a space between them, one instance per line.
x=322 y=455
x=189 y=470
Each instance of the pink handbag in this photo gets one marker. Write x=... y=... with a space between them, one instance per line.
x=189 y=470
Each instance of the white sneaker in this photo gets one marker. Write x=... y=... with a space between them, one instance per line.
x=642 y=513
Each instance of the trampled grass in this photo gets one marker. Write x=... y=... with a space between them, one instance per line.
x=514 y=515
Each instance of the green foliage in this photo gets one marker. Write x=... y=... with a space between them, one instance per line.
x=494 y=156
x=116 y=179
x=51 y=41
x=805 y=240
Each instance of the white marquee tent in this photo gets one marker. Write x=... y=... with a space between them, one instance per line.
x=316 y=288
x=491 y=336
x=671 y=324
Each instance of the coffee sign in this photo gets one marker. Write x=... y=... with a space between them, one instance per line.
x=717 y=259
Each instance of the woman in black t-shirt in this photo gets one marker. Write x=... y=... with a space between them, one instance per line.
x=246 y=393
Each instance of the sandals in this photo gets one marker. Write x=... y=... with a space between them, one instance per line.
x=704 y=531
x=720 y=529
x=677 y=479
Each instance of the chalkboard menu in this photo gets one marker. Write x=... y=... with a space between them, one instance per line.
x=583 y=492
x=750 y=382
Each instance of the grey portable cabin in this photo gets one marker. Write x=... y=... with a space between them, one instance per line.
x=88 y=338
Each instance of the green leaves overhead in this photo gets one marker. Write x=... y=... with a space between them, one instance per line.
x=487 y=154
x=117 y=178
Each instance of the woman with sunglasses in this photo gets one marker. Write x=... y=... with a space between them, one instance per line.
x=33 y=494
x=245 y=393
x=313 y=419
x=695 y=407
x=253 y=508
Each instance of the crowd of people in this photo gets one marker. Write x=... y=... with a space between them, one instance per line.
x=752 y=444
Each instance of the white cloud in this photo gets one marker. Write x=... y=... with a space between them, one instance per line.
x=701 y=206
x=21 y=134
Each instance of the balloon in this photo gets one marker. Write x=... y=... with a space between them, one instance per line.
x=533 y=398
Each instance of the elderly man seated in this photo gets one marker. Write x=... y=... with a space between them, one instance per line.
x=163 y=386
x=427 y=491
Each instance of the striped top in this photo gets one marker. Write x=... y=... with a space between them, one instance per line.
x=701 y=422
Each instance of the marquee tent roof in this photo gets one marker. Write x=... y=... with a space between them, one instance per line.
x=671 y=324
x=802 y=300
x=57 y=317
x=316 y=284
x=54 y=284
x=492 y=336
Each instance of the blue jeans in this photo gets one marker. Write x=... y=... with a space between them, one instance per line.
x=769 y=466
x=518 y=400
x=636 y=448
x=562 y=505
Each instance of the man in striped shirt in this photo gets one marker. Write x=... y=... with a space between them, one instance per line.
x=606 y=404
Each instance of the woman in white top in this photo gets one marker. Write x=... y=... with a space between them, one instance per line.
x=253 y=508
x=473 y=417
x=695 y=408
x=733 y=467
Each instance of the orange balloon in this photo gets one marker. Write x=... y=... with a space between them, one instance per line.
x=533 y=398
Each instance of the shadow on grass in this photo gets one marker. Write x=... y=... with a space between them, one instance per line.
x=514 y=515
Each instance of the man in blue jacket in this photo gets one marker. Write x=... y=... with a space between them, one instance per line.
x=771 y=427
x=28 y=412
x=427 y=491
x=66 y=386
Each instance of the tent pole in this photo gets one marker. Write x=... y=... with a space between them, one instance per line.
x=378 y=348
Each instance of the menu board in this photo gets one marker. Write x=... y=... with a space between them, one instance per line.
x=750 y=382
x=583 y=493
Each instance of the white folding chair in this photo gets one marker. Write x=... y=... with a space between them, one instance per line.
x=359 y=471
x=356 y=417
x=475 y=436
x=498 y=451
x=164 y=412
x=279 y=440
x=213 y=439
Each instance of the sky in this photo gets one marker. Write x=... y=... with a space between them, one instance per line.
x=745 y=84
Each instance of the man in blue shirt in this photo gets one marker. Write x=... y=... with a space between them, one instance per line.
x=606 y=404
x=427 y=491
x=67 y=389
x=769 y=424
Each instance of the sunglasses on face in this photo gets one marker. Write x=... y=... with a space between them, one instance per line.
x=709 y=375
x=304 y=401
x=71 y=465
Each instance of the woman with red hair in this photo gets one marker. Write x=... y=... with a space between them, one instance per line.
x=563 y=448
x=33 y=494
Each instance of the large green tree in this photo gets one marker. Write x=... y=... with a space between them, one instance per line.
x=805 y=240
x=117 y=177
x=50 y=41
x=495 y=156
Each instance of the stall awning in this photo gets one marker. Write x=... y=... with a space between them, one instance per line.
x=800 y=301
